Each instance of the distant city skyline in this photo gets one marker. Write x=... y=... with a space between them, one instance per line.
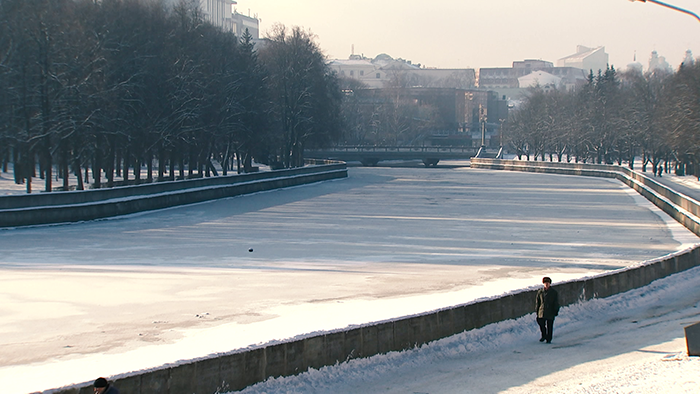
x=475 y=34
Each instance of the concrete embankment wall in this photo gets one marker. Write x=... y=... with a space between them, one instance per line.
x=683 y=209
x=239 y=369
x=63 y=207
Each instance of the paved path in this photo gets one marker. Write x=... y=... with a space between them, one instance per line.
x=687 y=185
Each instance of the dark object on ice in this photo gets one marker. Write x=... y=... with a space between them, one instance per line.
x=250 y=250
x=692 y=339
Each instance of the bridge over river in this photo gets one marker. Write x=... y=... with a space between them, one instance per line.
x=371 y=155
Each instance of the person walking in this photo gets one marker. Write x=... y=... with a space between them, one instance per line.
x=547 y=308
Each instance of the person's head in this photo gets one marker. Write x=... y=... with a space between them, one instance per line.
x=101 y=385
x=546 y=281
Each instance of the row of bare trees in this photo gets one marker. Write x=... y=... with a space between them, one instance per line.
x=391 y=116
x=614 y=118
x=97 y=89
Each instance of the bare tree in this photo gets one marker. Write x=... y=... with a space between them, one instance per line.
x=305 y=92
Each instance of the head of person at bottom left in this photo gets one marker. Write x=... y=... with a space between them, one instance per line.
x=101 y=385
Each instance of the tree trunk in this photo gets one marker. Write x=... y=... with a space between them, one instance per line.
x=161 y=163
x=65 y=171
x=97 y=170
x=210 y=166
x=48 y=168
x=78 y=174
x=224 y=164
x=207 y=166
x=192 y=163
x=17 y=166
x=127 y=156
x=173 y=160
x=247 y=162
x=109 y=168
x=137 y=168
x=118 y=163
x=182 y=165
x=149 y=166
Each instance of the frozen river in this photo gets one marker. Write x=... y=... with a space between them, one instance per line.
x=112 y=296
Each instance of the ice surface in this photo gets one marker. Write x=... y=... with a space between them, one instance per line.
x=107 y=297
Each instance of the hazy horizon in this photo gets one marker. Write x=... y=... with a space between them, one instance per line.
x=476 y=34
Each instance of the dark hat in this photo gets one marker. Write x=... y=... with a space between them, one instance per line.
x=546 y=279
x=101 y=382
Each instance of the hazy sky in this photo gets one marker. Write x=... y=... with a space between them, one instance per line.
x=488 y=33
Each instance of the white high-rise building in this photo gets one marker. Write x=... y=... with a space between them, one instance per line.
x=222 y=14
x=587 y=59
x=688 y=61
x=241 y=23
x=219 y=12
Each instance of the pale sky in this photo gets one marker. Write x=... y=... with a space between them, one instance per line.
x=488 y=33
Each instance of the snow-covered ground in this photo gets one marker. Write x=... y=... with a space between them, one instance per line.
x=628 y=343
x=107 y=297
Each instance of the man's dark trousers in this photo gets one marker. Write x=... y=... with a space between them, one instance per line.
x=546 y=328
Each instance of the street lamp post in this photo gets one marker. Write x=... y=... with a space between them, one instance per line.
x=500 y=132
x=482 y=120
x=673 y=7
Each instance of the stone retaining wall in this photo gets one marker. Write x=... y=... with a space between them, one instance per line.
x=682 y=208
x=239 y=369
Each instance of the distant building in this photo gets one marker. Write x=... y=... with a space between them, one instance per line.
x=362 y=70
x=509 y=85
x=457 y=78
x=218 y=12
x=689 y=60
x=587 y=59
x=241 y=22
x=507 y=77
x=658 y=63
x=544 y=80
x=222 y=14
x=383 y=70
x=635 y=66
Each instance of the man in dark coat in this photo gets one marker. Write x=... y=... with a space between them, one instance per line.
x=546 y=307
x=102 y=386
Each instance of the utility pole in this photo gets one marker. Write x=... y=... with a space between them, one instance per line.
x=673 y=7
x=482 y=120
